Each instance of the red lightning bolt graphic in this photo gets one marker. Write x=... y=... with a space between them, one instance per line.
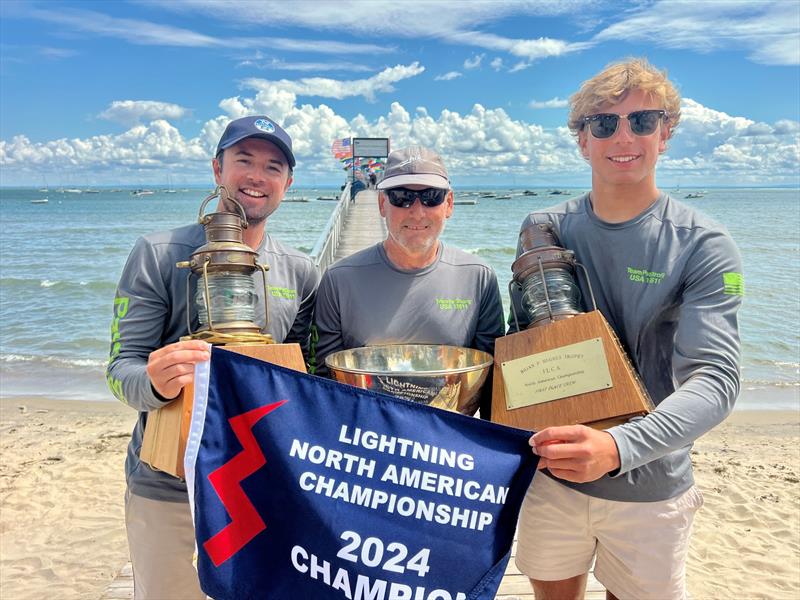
x=245 y=523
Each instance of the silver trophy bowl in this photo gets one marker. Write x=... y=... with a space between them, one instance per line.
x=448 y=377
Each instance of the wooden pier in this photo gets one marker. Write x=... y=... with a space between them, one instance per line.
x=363 y=226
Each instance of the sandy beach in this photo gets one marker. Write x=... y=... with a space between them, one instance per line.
x=62 y=532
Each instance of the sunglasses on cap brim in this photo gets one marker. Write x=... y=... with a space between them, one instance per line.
x=403 y=197
x=642 y=122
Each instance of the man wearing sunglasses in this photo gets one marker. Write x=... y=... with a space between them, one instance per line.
x=668 y=280
x=410 y=288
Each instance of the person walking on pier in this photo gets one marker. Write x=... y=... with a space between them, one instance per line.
x=149 y=366
x=669 y=281
x=411 y=287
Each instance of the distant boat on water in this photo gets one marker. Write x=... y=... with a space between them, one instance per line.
x=39 y=201
x=142 y=193
x=529 y=193
x=694 y=195
x=169 y=189
x=328 y=198
x=72 y=191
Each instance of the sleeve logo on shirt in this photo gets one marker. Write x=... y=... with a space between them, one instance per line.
x=645 y=276
x=453 y=303
x=282 y=292
x=120 y=310
x=733 y=284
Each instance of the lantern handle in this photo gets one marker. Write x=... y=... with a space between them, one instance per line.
x=588 y=284
x=511 y=300
x=544 y=288
x=188 y=295
x=222 y=193
x=264 y=269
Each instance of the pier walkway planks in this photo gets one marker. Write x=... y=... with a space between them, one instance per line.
x=364 y=226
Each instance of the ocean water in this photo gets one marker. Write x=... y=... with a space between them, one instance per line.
x=60 y=262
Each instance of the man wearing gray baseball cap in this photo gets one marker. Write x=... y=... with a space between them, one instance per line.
x=411 y=287
x=149 y=365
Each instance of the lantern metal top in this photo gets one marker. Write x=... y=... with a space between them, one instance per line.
x=542 y=252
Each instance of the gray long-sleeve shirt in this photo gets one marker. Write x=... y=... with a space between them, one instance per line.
x=669 y=282
x=150 y=312
x=365 y=300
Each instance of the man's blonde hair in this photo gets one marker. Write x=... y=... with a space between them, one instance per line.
x=613 y=84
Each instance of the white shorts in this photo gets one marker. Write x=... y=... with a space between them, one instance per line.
x=161 y=543
x=640 y=547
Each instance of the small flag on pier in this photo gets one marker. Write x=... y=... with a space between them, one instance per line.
x=342 y=148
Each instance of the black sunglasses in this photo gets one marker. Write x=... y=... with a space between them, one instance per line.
x=642 y=122
x=403 y=197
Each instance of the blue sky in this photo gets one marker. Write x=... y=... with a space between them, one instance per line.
x=113 y=93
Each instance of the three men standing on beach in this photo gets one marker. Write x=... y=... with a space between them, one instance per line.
x=149 y=365
x=625 y=497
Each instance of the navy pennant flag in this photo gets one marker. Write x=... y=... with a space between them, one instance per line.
x=302 y=487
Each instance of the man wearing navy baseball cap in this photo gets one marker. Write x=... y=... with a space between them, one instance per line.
x=149 y=365
x=248 y=146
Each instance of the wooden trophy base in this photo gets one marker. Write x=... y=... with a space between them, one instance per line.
x=167 y=428
x=602 y=408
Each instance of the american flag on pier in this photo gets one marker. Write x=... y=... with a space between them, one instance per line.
x=342 y=148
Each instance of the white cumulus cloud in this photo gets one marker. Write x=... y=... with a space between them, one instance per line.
x=144 y=146
x=474 y=62
x=481 y=144
x=131 y=112
x=449 y=76
x=335 y=88
x=552 y=103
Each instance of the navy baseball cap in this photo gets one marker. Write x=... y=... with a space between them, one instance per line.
x=257 y=126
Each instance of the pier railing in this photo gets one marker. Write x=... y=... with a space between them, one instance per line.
x=324 y=250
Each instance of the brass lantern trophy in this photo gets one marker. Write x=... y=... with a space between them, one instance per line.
x=226 y=303
x=568 y=367
x=224 y=269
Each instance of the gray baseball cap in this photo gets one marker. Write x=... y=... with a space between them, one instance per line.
x=414 y=165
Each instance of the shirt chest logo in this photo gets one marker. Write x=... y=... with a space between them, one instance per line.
x=453 y=303
x=645 y=276
x=282 y=292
